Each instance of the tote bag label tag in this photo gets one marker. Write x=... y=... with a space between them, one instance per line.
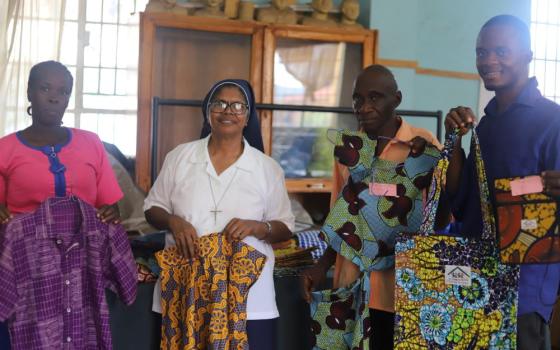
x=383 y=190
x=527 y=185
x=458 y=275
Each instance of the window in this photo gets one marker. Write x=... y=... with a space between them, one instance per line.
x=100 y=47
x=308 y=72
x=545 y=35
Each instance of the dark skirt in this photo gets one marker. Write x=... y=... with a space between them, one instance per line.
x=4 y=337
x=262 y=334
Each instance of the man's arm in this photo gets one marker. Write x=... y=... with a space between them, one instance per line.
x=458 y=118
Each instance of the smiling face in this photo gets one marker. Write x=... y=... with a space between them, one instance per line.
x=228 y=122
x=501 y=58
x=374 y=99
x=49 y=93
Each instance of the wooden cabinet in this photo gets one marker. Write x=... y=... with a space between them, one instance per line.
x=322 y=64
x=182 y=56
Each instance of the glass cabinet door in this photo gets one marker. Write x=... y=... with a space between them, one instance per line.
x=317 y=74
x=311 y=72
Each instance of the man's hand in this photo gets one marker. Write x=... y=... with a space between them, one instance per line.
x=551 y=182
x=312 y=278
x=184 y=234
x=459 y=117
x=418 y=145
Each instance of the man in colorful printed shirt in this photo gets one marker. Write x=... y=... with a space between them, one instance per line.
x=519 y=136
x=375 y=99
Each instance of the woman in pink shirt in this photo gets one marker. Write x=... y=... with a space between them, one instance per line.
x=47 y=159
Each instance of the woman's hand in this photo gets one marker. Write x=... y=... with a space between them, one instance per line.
x=238 y=229
x=5 y=214
x=184 y=234
x=109 y=213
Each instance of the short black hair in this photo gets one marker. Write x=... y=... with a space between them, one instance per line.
x=514 y=22
x=35 y=71
x=382 y=70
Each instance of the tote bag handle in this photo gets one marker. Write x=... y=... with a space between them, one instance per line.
x=438 y=185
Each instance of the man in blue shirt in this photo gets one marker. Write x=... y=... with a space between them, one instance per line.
x=519 y=136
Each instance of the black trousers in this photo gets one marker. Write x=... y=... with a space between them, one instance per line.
x=383 y=328
x=533 y=332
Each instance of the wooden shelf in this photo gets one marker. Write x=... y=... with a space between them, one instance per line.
x=319 y=185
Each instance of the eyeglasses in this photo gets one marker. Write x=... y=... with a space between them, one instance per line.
x=236 y=108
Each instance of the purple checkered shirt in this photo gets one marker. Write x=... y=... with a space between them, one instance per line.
x=55 y=264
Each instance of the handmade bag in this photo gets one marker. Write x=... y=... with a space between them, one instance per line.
x=527 y=226
x=451 y=292
x=337 y=322
x=362 y=228
x=203 y=301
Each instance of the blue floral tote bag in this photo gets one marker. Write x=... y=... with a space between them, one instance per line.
x=454 y=293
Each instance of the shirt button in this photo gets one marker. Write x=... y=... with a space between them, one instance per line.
x=67 y=282
x=58 y=241
x=68 y=309
x=68 y=340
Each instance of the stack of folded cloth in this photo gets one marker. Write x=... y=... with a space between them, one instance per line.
x=143 y=248
x=310 y=239
x=291 y=259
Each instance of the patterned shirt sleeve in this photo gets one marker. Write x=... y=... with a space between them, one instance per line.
x=8 y=290
x=122 y=275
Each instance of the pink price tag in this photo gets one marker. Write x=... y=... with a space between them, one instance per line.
x=385 y=190
x=527 y=185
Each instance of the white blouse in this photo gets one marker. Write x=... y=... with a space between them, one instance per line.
x=253 y=188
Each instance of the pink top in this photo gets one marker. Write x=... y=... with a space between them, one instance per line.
x=26 y=181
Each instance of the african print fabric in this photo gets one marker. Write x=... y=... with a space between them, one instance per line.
x=336 y=321
x=204 y=301
x=453 y=293
x=362 y=227
x=527 y=226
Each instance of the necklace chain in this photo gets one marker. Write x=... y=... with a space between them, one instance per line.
x=216 y=204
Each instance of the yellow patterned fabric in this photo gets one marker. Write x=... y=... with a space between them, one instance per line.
x=528 y=226
x=204 y=301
